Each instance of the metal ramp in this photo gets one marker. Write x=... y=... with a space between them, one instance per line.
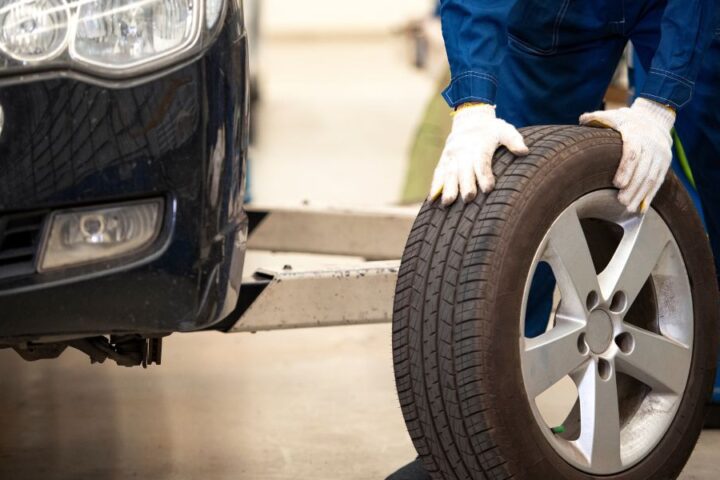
x=322 y=295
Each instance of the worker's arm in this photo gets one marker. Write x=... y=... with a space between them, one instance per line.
x=475 y=40
x=687 y=29
x=686 y=32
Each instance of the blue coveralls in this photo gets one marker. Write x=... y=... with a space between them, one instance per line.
x=548 y=61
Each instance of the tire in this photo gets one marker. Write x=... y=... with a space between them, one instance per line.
x=712 y=419
x=460 y=297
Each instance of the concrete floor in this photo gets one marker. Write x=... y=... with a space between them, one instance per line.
x=304 y=404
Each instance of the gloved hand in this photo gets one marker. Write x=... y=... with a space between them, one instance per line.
x=467 y=158
x=647 y=148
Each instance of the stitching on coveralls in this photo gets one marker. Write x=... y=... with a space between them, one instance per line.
x=555 y=37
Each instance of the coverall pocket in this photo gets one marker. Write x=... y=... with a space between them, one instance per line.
x=534 y=25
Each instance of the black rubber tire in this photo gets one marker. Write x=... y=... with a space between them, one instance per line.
x=457 y=309
x=712 y=419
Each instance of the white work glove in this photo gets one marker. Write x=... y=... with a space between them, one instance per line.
x=466 y=160
x=647 y=148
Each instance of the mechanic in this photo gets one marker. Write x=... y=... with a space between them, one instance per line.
x=533 y=62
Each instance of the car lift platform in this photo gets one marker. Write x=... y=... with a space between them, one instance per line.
x=322 y=295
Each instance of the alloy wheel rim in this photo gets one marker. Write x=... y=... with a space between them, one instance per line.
x=629 y=366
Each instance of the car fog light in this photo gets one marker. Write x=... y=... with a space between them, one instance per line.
x=83 y=236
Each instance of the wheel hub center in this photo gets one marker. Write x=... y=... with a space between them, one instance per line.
x=599 y=331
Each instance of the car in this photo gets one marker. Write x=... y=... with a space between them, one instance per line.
x=123 y=138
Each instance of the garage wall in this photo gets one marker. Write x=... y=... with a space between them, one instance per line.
x=345 y=17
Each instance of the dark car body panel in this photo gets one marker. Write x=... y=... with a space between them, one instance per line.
x=181 y=137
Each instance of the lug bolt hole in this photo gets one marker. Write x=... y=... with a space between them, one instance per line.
x=604 y=368
x=582 y=345
x=625 y=342
x=619 y=302
x=592 y=300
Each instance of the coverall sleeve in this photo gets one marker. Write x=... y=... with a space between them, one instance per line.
x=475 y=33
x=686 y=31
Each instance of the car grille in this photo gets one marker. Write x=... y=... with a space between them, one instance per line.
x=19 y=243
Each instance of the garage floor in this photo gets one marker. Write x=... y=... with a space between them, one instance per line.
x=287 y=405
x=304 y=404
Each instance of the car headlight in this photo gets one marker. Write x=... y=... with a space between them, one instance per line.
x=33 y=30
x=118 y=33
x=106 y=37
x=213 y=8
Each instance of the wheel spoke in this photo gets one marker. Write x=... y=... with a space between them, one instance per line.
x=637 y=255
x=552 y=355
x=599 y=439
x=569 y=256
x=613 y=359
x=659 y=362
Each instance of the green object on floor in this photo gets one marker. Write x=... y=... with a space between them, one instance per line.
x=560 y=429
x=427 y=147
x=682 y=158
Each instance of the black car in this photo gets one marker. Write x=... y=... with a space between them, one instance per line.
x=123 y=136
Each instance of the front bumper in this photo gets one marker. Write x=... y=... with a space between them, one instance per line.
x=181 y=137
